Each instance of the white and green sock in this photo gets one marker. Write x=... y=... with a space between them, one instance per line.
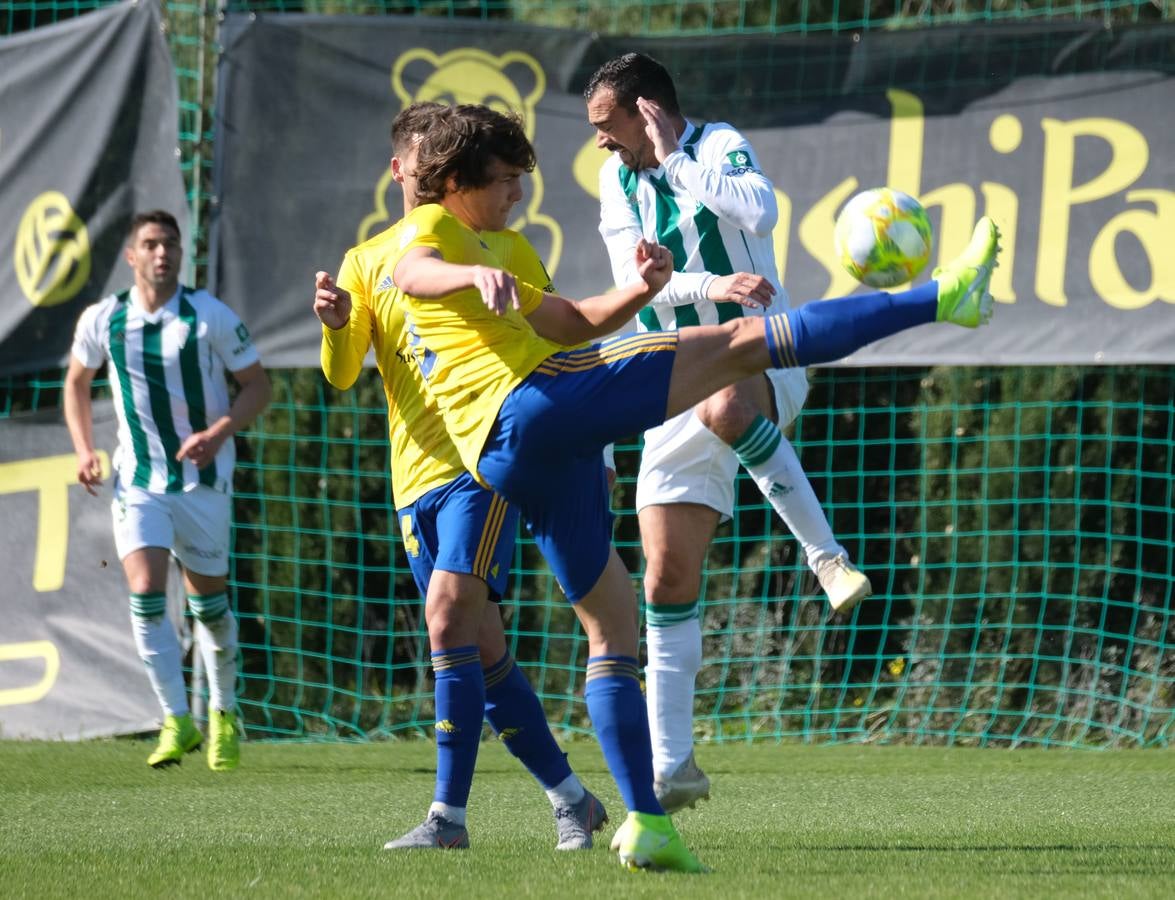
x=159 y=649
x=673 y=637
x=772 y=462
x=216 y=636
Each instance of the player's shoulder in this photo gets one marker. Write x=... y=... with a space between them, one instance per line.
x=430 y=216
x=377 y=242
x=101 y=310
x=721 y=134
x=202 y=299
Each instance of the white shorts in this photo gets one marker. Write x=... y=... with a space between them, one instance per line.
x=194 y=525
x=685 y=462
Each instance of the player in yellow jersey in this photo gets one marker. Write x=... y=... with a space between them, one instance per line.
x=529 y=419
x=459 y=537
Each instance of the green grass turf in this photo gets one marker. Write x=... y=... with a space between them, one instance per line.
x=309 y=820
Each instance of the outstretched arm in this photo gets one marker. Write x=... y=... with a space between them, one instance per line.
x=423 y=273
x=571 y=322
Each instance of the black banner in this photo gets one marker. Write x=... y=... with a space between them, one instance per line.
x=68 y=664
x=88 y=136
x=1056 y=133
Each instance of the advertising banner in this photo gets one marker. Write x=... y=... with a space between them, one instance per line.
x=68 y=664
x=1051 y=131
x=88 y=136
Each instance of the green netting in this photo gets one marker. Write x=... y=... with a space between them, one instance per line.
x=1017 y=523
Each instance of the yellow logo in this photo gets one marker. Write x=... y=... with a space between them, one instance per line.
x=447 y=727
x=494 y=570
x=508 y=734
x=512 y=82
x=52 y=251
x=411 y=545
x=43 y=650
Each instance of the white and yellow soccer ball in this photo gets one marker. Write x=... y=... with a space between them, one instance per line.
x=883 y=237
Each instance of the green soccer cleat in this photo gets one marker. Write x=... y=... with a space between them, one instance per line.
x=224 y=750
x=843 y=583
x=179 y=735
x=576 y=823
x=651 y=843
x=963 y=296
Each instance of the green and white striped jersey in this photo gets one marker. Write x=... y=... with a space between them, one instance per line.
x=711 y=205
x=167 y=373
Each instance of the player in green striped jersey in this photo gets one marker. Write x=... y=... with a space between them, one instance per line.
x=698 y=190
x=167 y=348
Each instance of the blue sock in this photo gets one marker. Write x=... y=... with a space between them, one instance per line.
x=514 y=712
x=621 y=721
x=460 y=699
x=827 y=330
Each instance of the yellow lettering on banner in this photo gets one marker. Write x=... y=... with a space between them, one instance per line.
x=50 y=477
x=1128 y=159
x=1154 y=231
x=30 y=650
x=905 y=142
x=816 y=229
x=1003 y=206
x=780 y=236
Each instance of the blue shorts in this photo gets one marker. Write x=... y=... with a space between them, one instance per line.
x=460 y=527
x=544 y=452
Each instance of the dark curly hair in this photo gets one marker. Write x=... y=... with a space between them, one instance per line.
x=460 y=142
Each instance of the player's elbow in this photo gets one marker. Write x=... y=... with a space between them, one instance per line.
x=763 y=218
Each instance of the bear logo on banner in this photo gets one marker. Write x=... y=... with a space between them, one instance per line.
x=510 y=83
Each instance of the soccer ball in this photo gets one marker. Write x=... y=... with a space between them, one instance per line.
x=883 y=237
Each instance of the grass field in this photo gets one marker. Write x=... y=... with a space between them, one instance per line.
x=308 y=820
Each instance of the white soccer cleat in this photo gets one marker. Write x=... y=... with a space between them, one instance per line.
x=844 y=583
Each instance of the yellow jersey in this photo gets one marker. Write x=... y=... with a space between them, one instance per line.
x=422 y=455
x=470 y=357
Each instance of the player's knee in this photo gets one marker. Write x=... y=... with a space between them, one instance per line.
x=672 y=584
x=727 y=415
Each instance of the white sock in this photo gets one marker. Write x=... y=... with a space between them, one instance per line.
x=455 y=814
x=675 y=656
x=218 y=648
x=772 y=462
x=159 y=649
x=567 y=792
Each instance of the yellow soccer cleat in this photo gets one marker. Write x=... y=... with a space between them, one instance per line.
x=963 y=296
x=224 y=748
x=651 y=843
x=179 y=735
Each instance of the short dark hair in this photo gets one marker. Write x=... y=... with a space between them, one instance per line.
x=411 y=121
x=459 y=144
x=154 y=217
x=634 y=75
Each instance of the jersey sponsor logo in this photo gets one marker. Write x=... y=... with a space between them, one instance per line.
x=740 y=159
x=386 y=284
